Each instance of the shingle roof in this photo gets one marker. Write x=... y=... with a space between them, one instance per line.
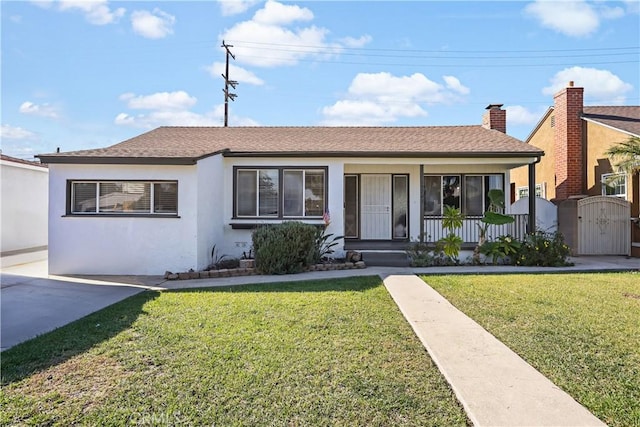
x=21 y=161
x=624 y=118
x=188 y=144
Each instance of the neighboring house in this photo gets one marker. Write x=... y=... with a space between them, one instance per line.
x=575 y=138
x=24 y=195
x=161 y=200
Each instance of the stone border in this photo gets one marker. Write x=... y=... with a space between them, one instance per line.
x=251 y=271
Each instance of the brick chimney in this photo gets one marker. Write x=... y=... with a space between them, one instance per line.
x=568 y=164
x=495 y=118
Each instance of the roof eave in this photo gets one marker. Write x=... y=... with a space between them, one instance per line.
x=370 y=154
x=117 y=160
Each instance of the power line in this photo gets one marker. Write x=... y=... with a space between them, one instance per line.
x=432 y=51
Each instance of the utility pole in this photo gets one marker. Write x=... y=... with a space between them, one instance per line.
x=228 y=95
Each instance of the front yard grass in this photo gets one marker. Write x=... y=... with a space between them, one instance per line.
x=582 y=331
x=335 y=352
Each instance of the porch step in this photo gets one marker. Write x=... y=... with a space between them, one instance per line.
x=385 y=259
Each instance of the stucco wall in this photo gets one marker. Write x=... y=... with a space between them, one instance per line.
x=211 y=188
x=599 y=139
x=543 y=138
x=24 y=201
x=236 y=241
x=122 y=245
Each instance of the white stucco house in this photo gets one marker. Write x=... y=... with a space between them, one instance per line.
x=24 y=194
x=161 y=200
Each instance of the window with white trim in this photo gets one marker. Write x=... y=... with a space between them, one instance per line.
x=124 y=197
x=280 y=192
x=469 y=193
x=540 y=191
x=614 y=184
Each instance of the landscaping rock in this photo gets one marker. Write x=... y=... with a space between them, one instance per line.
x=194 y=275
x=172 y=276
x=247 y=263
x=183 y=276
x=360 y=264
x=167 y=274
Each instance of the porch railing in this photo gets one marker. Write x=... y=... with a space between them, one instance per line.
x=470 y=233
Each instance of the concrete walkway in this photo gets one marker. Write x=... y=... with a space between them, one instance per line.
x=495 y=386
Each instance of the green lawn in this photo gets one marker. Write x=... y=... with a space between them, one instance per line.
x=581 y=330
x=332 y=352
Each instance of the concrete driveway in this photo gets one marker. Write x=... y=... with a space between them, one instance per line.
x=33 y=303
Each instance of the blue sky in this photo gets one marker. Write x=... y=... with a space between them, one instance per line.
x=88 y=74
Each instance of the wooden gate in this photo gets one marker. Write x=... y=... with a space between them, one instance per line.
x=603 y=226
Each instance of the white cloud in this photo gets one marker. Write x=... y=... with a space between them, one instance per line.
x=519 y=115
x=12 y=132
x=600 y=86
x=44 y=4
x=573 y=18
x=234 y=7
x=171 y=109
x=374 y=99
x=152 y=25
x=454 y=84
x=239 y=74
x=611 y=12
x=359 y=42
x=177 y=100
x=96 y=12
x=275 y=13
x=41 y=110
x=167 y=118
x=271 y=37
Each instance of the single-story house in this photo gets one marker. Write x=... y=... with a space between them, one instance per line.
x=161 y=200
x=24 y=194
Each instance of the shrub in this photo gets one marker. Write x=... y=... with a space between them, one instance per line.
x=543 y=249
x=420 y=254
x=451 y=243
x=505 y=247
x=324 y=244
x=226 y=263
x=284 y=248
x=424 y=254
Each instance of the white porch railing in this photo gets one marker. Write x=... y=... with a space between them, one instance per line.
x=469 y=232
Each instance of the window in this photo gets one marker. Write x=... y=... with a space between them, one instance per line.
x=469 y=193
x=540 y=191
x=280 y=192
x=614 y=184
x=124 y=197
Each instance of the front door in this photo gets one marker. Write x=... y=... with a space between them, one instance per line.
x=375 y=207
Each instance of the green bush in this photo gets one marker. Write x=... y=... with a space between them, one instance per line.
x=504 y=248
x=543 y=249
x=284 y=248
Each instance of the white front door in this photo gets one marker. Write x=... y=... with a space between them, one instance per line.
x=375 y=205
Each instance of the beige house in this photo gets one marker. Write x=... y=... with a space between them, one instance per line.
x=575 y=138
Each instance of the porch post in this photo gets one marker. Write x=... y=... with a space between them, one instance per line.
x=421 y=203
x=531 y=226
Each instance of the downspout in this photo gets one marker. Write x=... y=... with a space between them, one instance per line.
x=531 y=226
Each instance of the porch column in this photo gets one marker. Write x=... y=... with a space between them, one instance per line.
x=421 y=203
x=531 y=226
